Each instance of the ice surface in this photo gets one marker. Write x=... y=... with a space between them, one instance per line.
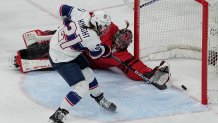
x=33 y=97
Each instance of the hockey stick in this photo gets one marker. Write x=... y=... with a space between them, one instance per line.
x=147 y=81
x=148 y=3
x=131 y=4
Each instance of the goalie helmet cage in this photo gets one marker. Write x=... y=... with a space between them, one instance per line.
x=166 y=29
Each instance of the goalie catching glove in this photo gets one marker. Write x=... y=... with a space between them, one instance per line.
x=160 y=76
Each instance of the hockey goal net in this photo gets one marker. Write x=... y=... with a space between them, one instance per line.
x=165 y=29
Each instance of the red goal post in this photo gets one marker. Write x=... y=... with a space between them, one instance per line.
x=165 y=29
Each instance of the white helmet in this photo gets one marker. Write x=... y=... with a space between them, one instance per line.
x=101 y=20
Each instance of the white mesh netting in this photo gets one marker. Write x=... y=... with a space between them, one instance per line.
x=173 y=29
x=213 y=52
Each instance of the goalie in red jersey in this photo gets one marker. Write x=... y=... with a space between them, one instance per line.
x=117 y=40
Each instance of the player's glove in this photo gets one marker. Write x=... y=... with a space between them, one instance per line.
x=100 y=51
x=107 y=52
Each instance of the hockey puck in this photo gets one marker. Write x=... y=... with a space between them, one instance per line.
x=184 y=87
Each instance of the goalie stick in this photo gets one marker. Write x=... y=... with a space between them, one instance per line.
x=131 y=4
x=146 y=80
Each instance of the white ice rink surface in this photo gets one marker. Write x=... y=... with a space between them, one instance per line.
x=34 y=96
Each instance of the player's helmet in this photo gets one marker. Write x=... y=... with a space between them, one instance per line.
x=101 y=21
x=122 y=39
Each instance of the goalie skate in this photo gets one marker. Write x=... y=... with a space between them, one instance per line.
x=13 y=62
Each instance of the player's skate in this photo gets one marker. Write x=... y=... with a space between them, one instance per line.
x=105 y=103
x=58 y=116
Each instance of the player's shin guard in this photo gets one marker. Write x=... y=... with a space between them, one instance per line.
x=104 y=102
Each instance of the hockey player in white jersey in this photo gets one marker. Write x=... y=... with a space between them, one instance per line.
x=79 y=32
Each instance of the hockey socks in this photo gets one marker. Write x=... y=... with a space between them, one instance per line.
x=70 y=100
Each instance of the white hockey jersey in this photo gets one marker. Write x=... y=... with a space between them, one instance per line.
x=71 y=38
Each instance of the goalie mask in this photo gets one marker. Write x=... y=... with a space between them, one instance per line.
x=122 y=40
x=101 y=21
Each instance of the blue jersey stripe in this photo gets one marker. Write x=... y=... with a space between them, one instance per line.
x=78 y=47
x=71 y=37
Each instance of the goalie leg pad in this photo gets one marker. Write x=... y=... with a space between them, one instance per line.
x=37 y=36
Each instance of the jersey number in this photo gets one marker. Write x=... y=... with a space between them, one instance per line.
x=68 y=37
